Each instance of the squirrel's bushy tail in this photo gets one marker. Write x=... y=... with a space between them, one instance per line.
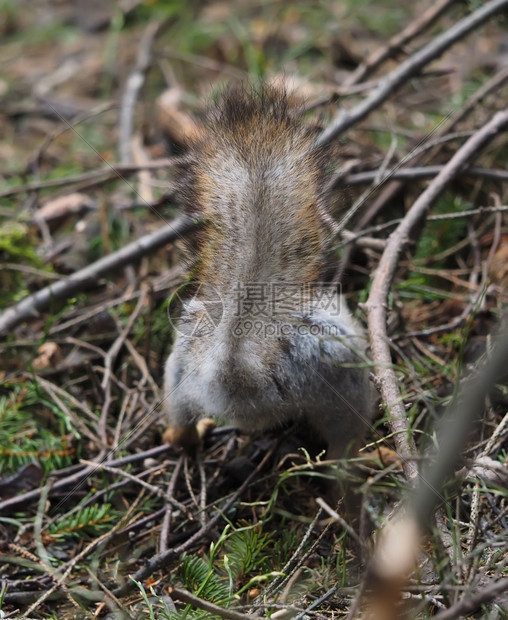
x=255 y=176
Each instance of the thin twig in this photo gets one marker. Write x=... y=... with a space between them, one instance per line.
x=202 y=489
x=168 y=510
x=55 y=392
x=83 y=473
x=469 y=603
x=295 y=560
x=90 y=179
x=60 y=580
x=134 y=83
x=416 y=172
x=497 y=436
x=351 y=237
x=317 y=603
x=492 y=85
x=186 y=597
x=342 y=522
x=377 y=301
x=112 y=600
x=108 y=365
x=125 y=474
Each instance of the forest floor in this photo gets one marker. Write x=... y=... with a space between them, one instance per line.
x=98 y=517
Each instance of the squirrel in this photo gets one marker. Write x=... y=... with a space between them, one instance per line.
x=261 y=340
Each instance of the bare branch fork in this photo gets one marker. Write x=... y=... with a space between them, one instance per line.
x=377 y=302
x=411 y=66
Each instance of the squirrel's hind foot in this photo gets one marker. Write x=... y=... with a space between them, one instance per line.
x=190 y=436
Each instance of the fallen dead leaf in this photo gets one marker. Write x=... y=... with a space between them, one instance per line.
x=50 y=355
x=64 y=206
x=177 y=124
x=382 y=454
x=498 y=269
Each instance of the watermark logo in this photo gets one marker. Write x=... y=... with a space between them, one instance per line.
x=256 y=309
x=195 y=310
x=280 y=300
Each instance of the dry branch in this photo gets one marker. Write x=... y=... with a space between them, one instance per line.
x=417 y=172
x=134 y=83
x=383 y=277
x=77 y=477
x=186 y=597
x=410 y=67
x=417 y=156
x=491 y=86
x=396 y=43
x=469 y=603
x=30 y=307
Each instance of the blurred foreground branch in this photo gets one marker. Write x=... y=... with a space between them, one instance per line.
x=399 y=542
